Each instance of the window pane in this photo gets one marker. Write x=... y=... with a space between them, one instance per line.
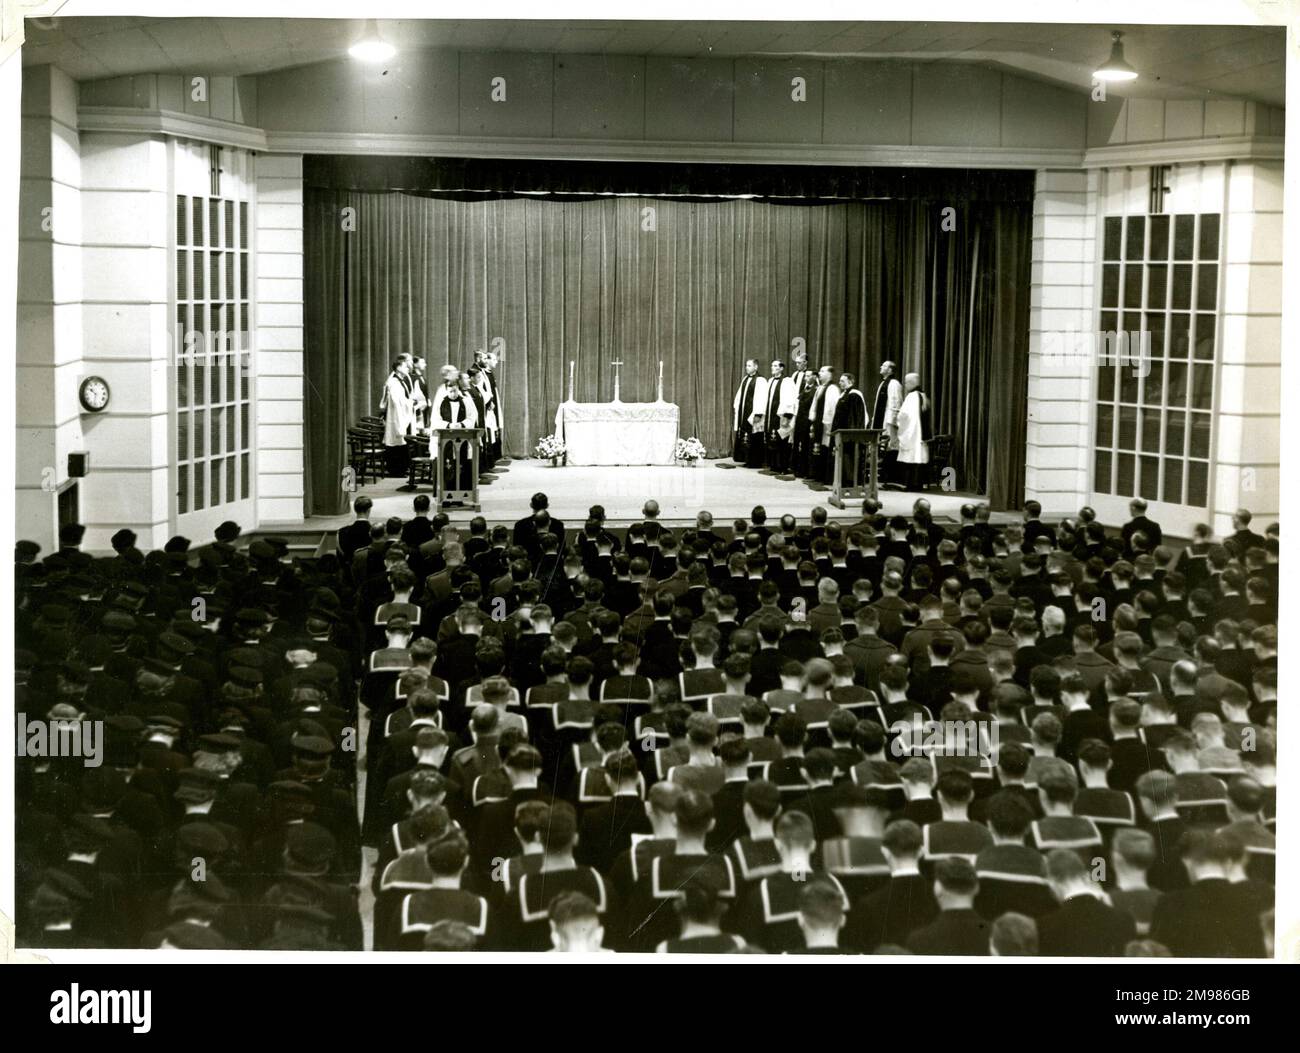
x=215 y=330
x=214 y=222
x=243 y=376
x=244 y=291
x=1110 y=285
x=230 y=429
x=1132 y=286
x=243 y=476
x=1109 y=322
x=1157 y=282
x=200 y=433
x=1176 y=385
x=1128 y=380
x=230 y=224
x=1134 y=237
x=1175 y=428
x=1200 y=444
x=214 y=275
x=1173 y=490
x=199 y=472
x=1202 y=386
x=214 y=419
x=243 y=428
x=230 y=275
x=1198 y=483
x=1150 y=419
x=1184 y=233
x=182 y=489
x=182 y=214
x=183 y=436
x=196 y=275
x=1159 y=238
x=182 y=383
x=1105 y=424
x=1127 y=468
x=1179 y=339
x=1150 y=482
x=1133 y=327
x=230 y=378
x=1106 y=380
x=1207 y=286
x=1155 y=325
x=1101 y=481
x=196 y=212
x=1154 y=381
x=1205 y=326
x=1209 y=246
x=215 y=489
x=200 y=379
x=230 y=479
x=1182 y=286
x=1114 y=228
x=1127 y=428
x=182 y=276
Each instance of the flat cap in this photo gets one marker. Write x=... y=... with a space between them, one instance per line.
x=204 y=838
x=71 y=534
x=65 y=884
x=310 y=843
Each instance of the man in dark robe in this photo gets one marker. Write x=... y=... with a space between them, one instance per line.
x=850 y=412
x=747 y=447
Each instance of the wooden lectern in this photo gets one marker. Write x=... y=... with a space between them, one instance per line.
x=449 y=466
x=856 y=438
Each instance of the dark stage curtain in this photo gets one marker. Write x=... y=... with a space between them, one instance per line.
x=549 y=280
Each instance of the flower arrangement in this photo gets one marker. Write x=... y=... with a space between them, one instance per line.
x=549 y=447
x=690 y=450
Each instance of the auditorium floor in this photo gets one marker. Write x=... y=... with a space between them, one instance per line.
x=680 y=491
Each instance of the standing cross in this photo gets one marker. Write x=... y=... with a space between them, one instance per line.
x=616 y=364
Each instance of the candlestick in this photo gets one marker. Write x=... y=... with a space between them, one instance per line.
x=571 y=380
x=661 y=380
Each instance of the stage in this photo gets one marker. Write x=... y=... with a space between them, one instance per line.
x=729 y=493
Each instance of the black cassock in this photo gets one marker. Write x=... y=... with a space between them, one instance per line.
x=456 y=469
x=850 y=412
x=743 y=438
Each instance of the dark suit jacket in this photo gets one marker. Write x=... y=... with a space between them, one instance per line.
x=607 y=830
x=891 y=913
x=952 y=932
x=355 y=535
x=1211 y=919
x=1085 y=927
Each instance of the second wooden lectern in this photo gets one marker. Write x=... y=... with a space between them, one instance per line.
x=849 y=446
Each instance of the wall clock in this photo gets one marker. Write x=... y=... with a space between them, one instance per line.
x=94 y=394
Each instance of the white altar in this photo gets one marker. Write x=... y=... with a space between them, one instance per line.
x=618 y=432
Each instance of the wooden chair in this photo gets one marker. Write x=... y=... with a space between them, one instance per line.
x=423 y=470
x=940 y=455
x=365 y=456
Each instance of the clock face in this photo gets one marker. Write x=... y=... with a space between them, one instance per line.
x=94 y=394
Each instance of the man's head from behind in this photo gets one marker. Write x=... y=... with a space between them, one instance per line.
x=955 y=883
x=575 y=923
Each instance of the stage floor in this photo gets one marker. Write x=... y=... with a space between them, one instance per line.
x=729 y=493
